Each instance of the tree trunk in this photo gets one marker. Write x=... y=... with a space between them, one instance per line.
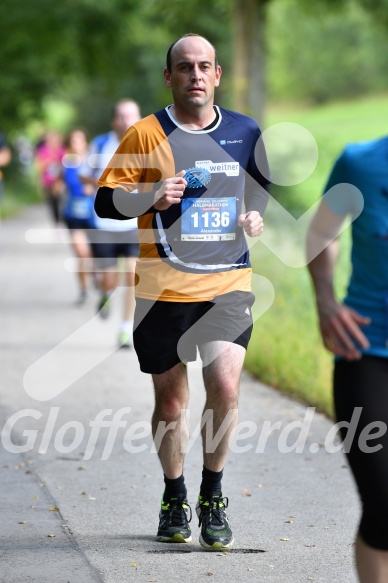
x=248 y=71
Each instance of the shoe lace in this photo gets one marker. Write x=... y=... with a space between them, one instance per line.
x=178 y=513
x=215 y=509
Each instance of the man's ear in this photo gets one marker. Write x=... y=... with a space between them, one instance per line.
x=167 y=77
x=218 y=76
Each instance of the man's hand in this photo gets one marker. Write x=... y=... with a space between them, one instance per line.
x=340 y=329
x=252 y=223
x=170 y=192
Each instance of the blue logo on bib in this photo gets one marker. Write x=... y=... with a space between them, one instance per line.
x=197 y=177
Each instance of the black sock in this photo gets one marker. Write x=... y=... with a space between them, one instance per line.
x=175 y=488
x=211 y=483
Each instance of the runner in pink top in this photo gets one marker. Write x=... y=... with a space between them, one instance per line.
x=49 y=161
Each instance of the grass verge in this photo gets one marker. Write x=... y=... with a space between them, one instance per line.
x=286 y=351
x=20 y=192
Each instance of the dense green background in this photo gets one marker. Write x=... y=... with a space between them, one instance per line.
x=326 y=68
x=87 y=53
x=286 y=349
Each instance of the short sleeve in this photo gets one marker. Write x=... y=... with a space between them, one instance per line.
x=125 y=168
x=341 y=193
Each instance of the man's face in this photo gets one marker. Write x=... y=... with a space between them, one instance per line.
x=193 y=76
x=125 y=116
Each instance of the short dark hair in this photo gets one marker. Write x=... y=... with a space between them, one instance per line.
x=168 y=59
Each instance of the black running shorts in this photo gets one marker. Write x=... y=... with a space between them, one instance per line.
x=108 y=246
x=77 y=224
x=166 y=333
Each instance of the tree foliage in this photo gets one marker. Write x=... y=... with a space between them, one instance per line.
x=379 y=10
x=340 y=53
x=91 y=52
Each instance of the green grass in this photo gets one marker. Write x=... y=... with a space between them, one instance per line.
x=20 y=191
x=286 y=350
x=332 y=125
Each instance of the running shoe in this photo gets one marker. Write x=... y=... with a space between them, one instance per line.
x=104 y=306
x=174 y=519
x=125 y=340
x=215 y=530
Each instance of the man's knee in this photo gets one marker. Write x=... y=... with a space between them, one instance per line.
x=171 y=393
x=169 y=408
x=229 y=394
x=224 y=391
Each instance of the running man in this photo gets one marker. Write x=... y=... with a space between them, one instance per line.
x=193 y=168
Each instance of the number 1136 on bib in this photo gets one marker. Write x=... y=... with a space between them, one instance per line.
x=207 y=219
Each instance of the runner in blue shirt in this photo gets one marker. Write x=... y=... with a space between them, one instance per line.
x=111 y=239
x=356 y=331
x=78 y=206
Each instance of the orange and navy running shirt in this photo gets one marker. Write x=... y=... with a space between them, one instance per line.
x=194 y=250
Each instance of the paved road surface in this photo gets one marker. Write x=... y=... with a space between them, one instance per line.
x=68 y=515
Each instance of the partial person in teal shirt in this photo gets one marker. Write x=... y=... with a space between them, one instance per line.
x=356 y=331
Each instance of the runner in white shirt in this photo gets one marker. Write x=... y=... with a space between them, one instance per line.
x=111 y=239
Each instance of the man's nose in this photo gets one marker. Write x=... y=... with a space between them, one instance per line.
x=196 y=72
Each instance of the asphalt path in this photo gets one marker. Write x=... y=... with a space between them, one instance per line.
x=80 y=484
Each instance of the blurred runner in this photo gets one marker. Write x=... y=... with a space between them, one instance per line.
x=78 y=205
x=5 y=158
x=113 y=239
x=48 y=157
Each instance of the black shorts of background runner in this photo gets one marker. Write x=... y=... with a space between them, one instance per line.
x=77 y=224
x=166 y=333
x=107 y=246
x=364 y=383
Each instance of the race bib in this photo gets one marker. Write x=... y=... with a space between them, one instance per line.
x=208 y=219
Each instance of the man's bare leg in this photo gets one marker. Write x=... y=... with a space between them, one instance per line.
x=372 y=564
x=221 y=377
x=170 y=432
x=171 y=398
